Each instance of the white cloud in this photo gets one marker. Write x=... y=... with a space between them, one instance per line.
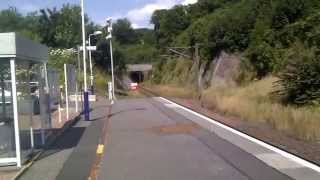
x=140 y=17
x=186 y=2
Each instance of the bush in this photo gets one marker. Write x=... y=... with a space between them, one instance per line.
x=300 y=80
x=101 y=79
x=171 y=71
x=157 y=72
x=264 y=59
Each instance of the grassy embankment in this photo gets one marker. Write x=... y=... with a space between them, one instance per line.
x=253 y=102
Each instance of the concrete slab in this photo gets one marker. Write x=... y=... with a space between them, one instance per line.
x=135 y=152
x=286 y=163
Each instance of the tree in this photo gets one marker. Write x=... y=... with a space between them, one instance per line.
x=68 y=29
x=170 y=23
x=300 y=79
x=63 y=28
x=13 y=21
x=48 y=21
x=123 y=32
x=102 y=56
x=10 y=20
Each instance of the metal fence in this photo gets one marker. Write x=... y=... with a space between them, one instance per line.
x=71 y=91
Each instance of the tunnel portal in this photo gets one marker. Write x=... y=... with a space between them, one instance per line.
x=136 y=76
x=139 y=72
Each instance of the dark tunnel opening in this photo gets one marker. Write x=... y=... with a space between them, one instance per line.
x=136 y=76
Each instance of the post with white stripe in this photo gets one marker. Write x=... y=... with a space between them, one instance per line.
x=15 y=111
x=66 y=90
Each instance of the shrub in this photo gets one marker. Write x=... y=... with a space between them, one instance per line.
x=300 y=79
x=101 y=80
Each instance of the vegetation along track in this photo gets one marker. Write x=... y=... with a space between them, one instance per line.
x=148 y=93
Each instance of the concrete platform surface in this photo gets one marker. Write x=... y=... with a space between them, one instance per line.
x=146 y=140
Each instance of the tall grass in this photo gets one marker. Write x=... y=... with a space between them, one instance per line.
x=254 y=103
x=101 y=80
x=172 y=91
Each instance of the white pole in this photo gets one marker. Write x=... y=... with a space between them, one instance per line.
x=47 y=94
x=84 y=47
x=85 y=94
x=112 y=73
x=31 y=108
x=46 y=78
x=76 y=95
x=66 y=90
x=15 y=111
x=90 y=59
x=77 y=85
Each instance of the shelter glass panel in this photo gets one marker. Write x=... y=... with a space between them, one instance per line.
x=27 y=105
x=7 y=139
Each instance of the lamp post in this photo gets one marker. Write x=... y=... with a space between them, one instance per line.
x=85 y=94
x=96 y=33
x=109 y=37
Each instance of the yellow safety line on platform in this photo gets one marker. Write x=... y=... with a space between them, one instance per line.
x=100 y=149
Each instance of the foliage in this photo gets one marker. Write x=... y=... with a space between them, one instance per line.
x=53 y=27
x=257 y=105
x=101 y=79
x=169 y=23
x=123 y=32
x=267 y=31
x=171 y=71
x=12 y=21
x=59 y=57
x=300 y=80
x=131 y=46
x=140 y=53
x=61 y=28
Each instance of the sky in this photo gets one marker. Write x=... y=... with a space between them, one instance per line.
x=137 y=11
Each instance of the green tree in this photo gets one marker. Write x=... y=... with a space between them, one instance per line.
x=67 y=31
x=48 y=21
x=62 y=28
x=10 y=20
x=13 y=21
x=123 y=32
x=170 y=23
x=300 y=80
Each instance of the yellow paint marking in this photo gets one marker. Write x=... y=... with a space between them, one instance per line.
x=100 y=149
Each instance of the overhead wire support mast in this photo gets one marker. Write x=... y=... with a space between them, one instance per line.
x=177 y=51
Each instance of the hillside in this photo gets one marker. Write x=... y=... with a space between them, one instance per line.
x=279 y=38
x=257 y=60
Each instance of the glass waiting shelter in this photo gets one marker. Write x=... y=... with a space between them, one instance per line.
x=24 y=97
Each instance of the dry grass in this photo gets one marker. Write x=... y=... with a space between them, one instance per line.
x=253 y=103
x=172 y=91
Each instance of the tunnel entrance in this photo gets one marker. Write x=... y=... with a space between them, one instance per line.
x=136 y=76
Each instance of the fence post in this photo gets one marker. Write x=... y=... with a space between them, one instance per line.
x=66 y=90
